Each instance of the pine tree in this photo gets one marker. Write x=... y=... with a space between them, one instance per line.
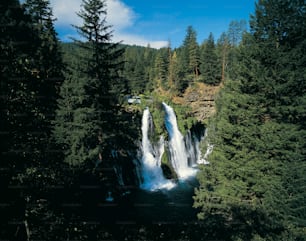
x=234 y=35
x=223 y=50
x=194 y=57
x=192 y=52
x=235 y=32
x=47 y=68
x=89 y=99
x=255 y=172
x=16 y=48
x=149 y=57
x=16 y=36
x=279 y=50
x=173 y=72
x=27 y=103
x=184 y=77
x=161 y=68
x=210 y=67
x=32 y=78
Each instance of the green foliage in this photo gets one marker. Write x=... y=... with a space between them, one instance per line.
x=139 y=68
x=174 y=73
x=254 y=187
x=255 y=172
x=235 y=32
x=161 y=69
x=210 y=65
x=90 y=92
x=31 y=72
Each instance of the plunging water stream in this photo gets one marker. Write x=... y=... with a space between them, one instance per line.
x=178 y=152
x=152 y=173
x=183 y=153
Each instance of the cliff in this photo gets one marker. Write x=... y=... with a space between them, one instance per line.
x=201 y=98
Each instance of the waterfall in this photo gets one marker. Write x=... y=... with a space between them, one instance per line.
x=152 y=173
x=192 y=144
x=190 y=148
x=178 y=153
x=207 y=153
x=209 y=150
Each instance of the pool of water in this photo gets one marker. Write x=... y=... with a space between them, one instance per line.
x=139 y=206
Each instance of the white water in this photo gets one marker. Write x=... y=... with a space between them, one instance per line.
x=193 y=149
x=209 y=150
x=178 y=153
x=152 y=173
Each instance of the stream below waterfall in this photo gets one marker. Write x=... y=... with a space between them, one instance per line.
x=140 y=206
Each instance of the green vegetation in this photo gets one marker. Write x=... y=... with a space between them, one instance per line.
x=88 y=100
x=64 y=114
x=253 y=184
x=210 y=65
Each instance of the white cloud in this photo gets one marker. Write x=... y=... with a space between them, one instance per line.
x=119 y=16
x=65 y=12
x=139 y=40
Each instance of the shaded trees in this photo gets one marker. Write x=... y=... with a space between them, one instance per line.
x=258 y=132
x=161 y=68
x=191 y=53
x=210 y=64
x=31 y=72
x=174 y=72
x=81 y=124
x=223 y=50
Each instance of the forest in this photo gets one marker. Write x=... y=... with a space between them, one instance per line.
x=64 y=112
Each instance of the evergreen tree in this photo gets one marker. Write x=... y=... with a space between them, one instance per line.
x=256 y=168
x=31 y=79
x=149 y=58
x=16 y=49
x=30 y=75
x=210 y=67
x=279 y=49
x=234 y=35
x=194 y=57
x=184 y=78
x=223 y=50
x=161 y=68
x=48 y=60
x=173 y=72
x=89 y=99
x=138 y=68
x=188 y=58
x=235 y=32
x=192 y=52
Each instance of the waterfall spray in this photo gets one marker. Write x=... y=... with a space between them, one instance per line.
x=178 y=153
x=152 y=174
x=209 y=150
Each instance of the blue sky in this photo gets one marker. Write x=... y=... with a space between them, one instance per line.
x=156 y=22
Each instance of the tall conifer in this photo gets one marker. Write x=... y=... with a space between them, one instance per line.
x=89 y=99
x=256 y=168
x=210 y=67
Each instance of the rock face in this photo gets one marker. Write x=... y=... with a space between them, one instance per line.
x=201 y=99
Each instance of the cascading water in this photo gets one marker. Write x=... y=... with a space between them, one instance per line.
x=209 y=150
x=192 y=144
x=152 y=173
x=178 y=153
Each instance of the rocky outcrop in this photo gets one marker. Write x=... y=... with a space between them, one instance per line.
x=201 y=99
